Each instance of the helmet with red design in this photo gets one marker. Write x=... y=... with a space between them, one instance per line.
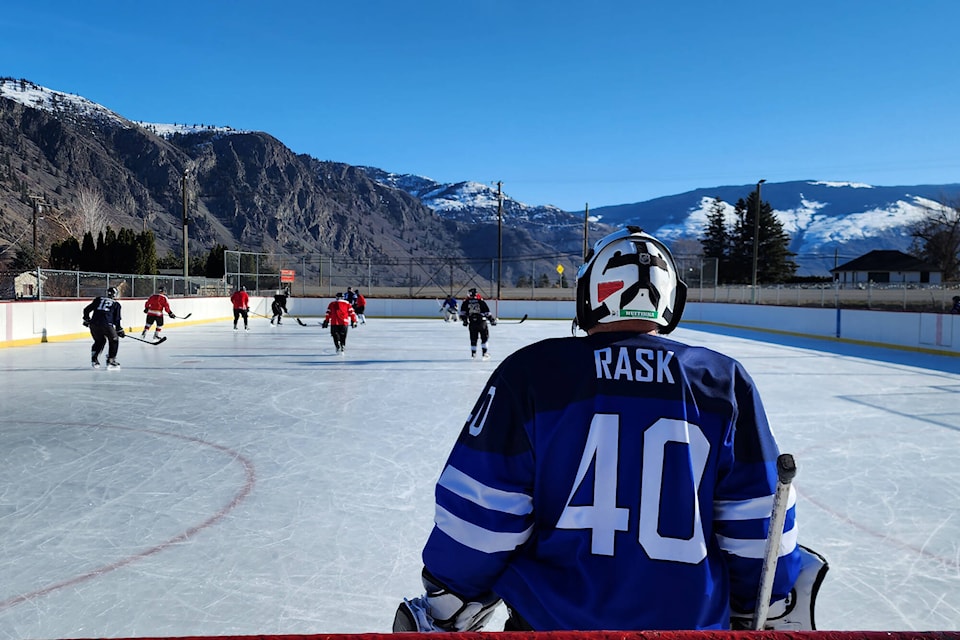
x=630 y=275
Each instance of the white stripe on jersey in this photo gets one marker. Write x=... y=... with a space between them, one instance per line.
x=487 y=497
x=755 y=548
x=478 y=538
x=753 y=509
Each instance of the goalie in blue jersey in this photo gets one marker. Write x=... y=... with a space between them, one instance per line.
x=618 y=481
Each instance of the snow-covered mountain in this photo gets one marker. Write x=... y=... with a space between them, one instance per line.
x=827 y=221
x=474 y=202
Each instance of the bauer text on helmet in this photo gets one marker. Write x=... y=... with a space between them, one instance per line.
x=630 y=275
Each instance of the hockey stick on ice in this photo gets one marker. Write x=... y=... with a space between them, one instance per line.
x=304 y=324
x=160 y=340
x=184 y=317
x=786 y=470
x=520 y=321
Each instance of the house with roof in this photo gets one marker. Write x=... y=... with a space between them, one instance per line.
x=884 y=266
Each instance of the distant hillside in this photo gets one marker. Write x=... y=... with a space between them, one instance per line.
x=825 y=220
x=248 y=191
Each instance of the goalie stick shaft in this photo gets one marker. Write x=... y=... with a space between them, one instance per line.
x=786 y=470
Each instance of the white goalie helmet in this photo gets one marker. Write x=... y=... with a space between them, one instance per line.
x=630 y=275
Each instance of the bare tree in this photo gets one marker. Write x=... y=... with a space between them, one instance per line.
x=936 y=238
x=91 y=212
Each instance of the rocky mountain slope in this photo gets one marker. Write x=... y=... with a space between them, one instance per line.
x=245 y=190
x=248 y=191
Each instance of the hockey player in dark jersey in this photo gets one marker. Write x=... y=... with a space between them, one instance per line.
x=102 y=316
x=618 y=481
x=475 y=314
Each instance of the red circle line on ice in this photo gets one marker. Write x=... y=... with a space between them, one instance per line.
x=239 y=496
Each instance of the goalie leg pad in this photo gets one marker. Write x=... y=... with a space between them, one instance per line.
x=439 y=609
x=796 y=611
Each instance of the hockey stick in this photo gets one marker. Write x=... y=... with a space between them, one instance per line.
x=159 y=341
x=786 y=470
x=520 y=321
x=184 y=317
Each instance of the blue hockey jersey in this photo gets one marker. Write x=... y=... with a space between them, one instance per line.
x=619 y=481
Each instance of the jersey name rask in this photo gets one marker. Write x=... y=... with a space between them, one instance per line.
x=634 y=364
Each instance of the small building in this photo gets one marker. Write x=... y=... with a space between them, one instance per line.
x=884 y=266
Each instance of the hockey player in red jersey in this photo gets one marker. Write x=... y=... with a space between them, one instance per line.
x=154 y=307
x=340 y=315
x=241 y=307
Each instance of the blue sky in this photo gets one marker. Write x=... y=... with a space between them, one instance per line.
x=568 y=103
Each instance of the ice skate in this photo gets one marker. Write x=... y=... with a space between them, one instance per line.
x=95 y=363
x=112 y=364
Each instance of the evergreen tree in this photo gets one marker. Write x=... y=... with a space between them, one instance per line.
x=124 y=253
x=214 y=267
x=65 y=254
x=716 y=239
x=146 y=254
x=774 y=259
x=88 y=253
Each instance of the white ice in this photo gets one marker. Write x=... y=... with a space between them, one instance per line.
x=254 y=482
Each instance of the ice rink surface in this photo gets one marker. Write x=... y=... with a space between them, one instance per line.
x=255 y=482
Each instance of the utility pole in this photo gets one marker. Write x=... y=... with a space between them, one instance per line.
x=756 y=242
x=37 y=209
x=499 y=235
x=186 y=256
x=586 y=217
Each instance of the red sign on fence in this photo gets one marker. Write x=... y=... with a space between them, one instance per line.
x=286 y=275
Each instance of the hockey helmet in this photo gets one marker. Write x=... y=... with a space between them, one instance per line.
x=339 y=295
x=472 y=292
x=630 y=275
x=161 y=289
x=112 y=292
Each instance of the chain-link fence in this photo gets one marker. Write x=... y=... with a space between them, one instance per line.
x=46 y=284
x=439 y=277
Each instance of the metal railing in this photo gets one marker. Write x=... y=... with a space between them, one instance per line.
x=47 y=284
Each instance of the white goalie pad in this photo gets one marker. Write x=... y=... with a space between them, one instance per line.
x=796 y=611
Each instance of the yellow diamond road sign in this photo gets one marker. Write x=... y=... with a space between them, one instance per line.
x=560 y=269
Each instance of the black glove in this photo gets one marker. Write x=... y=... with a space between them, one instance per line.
x=145 y=310
x=465 y=323
x=353 y=325
x=493 y=322
x=325 y=324
x=121 y=333
x=86 y=322
x=172 y=315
